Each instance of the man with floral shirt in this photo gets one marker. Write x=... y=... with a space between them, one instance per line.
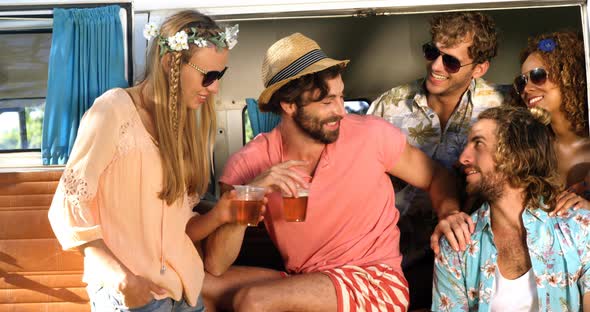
x=437 y=111
x=519 y=258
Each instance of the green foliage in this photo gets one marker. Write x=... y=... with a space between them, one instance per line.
x=10 y=139
x=34 y=116
x=249 y=133
x=422 y=133
x=34 y=125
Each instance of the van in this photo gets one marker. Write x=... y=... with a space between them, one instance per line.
x=381 y=38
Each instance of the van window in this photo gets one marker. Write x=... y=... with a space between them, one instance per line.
x=357 y=106
x=246 y=127
x=23 y=87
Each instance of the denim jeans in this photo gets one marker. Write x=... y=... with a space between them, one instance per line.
x=103 y=299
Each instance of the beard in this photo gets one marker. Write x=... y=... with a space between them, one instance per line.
x=313 y=126
x=490 y=187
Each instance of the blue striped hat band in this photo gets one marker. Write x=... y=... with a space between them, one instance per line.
x=298 y=66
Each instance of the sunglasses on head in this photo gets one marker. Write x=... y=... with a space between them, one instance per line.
x=451 y=63
x=537 y=76
x=209 y=77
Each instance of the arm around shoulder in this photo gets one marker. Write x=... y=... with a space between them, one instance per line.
x=419 y=170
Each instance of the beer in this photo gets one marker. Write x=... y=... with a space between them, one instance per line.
x=247 y=212
x=295 y=208
x=246 y=206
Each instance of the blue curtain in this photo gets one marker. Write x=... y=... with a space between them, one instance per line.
x=86 y=59
x=260 y=122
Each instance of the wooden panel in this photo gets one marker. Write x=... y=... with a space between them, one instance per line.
x=35 y=274
x=24 y=208
x=45 y=307
x=28 y=200
x=43 y=294
x=37 y=176
x=31 y=281
x=27 y=224
x=38 y=255
x=28 y=188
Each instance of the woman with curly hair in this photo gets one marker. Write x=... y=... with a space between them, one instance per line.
x=553 y=84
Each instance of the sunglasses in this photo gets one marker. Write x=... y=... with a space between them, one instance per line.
x=209 y=77
x=451 y=63
x=538 y=76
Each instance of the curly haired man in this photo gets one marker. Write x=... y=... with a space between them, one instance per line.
x=519 y=258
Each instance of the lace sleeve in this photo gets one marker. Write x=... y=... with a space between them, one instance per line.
x=74 y=212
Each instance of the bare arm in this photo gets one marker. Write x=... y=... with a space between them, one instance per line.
x=201 y=226
x=223 y=245
x=419 y=170
x=586 y=302
x=136 y=290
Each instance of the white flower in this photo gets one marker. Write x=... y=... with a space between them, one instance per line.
x=472 y=248
x=572 y=279
x=472 y=294
x=485 y=294
x=231 y=36
x=456 y=272
x=150 y=30
x=445 y=303
x=555 y=279
x=200 y=42
x=179 y=41
x=489 y=269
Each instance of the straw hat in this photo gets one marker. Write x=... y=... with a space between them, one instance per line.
x=288 y=59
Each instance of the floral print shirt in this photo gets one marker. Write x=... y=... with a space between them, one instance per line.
x=406 y=107
x=559 y=248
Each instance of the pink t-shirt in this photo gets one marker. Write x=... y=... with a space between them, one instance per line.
x=351 y=215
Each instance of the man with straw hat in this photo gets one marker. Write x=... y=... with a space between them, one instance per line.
x=345 y=255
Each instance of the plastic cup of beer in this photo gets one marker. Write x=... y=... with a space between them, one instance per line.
x=295 y=208
x=246 y=205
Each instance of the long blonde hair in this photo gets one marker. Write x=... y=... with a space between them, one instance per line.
x=185 y=138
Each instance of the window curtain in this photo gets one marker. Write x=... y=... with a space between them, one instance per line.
x=259 y=121
x=86 y=59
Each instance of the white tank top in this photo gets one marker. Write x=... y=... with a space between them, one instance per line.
x=516 y=295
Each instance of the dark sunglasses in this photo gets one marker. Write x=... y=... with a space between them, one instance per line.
x=209 y=77
x=537 y=76
x=451 y=63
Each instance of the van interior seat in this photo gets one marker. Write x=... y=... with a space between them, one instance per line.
x=36 y=274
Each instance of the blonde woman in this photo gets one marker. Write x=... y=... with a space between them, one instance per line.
x=141 y=159
x=553 y=83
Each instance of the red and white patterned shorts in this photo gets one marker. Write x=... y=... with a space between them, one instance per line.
x=369 y=288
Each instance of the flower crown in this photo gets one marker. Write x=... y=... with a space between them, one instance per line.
x=226 y=39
